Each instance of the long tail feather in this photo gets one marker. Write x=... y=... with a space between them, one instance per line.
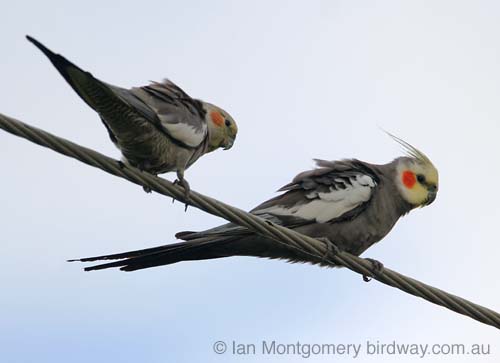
x=83 y=82
x=128 y=254
x=118 y=107
x=158 y=256
x=203 y=247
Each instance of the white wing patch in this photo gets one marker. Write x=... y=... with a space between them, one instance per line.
x=325 y=206
x=184 y=132
x=177 y=120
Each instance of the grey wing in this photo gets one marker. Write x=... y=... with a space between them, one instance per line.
x=177 y=114
x=334 y=191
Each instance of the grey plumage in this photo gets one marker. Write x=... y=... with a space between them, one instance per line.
x=351 y=203
x=158 y=128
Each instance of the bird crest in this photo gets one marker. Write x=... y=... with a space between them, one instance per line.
x=411 y=150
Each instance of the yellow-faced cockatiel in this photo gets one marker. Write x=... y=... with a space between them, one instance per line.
x=349 y=203
x=158 y=128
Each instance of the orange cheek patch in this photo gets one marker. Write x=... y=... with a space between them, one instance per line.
x=217 y=118
x=409 y=179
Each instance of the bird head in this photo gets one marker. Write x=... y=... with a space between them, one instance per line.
x=416 y=177
x=221 y=127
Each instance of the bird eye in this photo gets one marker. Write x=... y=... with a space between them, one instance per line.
x=228 y=123
x=421 y=178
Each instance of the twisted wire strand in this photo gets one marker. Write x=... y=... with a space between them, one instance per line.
x=317 y=248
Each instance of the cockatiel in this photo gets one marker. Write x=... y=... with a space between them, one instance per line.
x=158 y=128
x=349 y=203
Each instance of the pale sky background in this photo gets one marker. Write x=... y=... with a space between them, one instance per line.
x=303 y=80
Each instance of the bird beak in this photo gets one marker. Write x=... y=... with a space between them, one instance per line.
x=229 y=144
x=431 y=197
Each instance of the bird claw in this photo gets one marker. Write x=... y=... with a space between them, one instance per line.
x=143 y=168
x=121 y=165
x=187 y=191
x=377 y=268
x=331 y=250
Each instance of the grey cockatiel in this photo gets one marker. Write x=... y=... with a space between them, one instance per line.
x=351 y=203
x=158 y=128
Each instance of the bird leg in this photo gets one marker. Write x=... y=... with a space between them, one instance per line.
x=183 y=183
x=377 y=268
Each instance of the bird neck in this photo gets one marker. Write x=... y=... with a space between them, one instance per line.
x=215 y=137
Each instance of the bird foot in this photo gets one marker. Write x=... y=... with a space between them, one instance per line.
x=148 y=189
x=331 y=250
x=377 y=268
x=143 y=169
x=187 y=191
